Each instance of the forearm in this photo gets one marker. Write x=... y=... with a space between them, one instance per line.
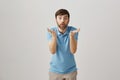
x=73 y=44
x=52 y=45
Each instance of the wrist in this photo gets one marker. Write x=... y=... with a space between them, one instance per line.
x=54 y=37
x=71 y=36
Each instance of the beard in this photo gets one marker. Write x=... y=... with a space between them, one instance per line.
x=62 y=26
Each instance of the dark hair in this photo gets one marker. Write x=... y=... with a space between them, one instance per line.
x=62 y=12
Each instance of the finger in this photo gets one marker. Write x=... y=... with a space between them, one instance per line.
x=78 y=29
x=49 y=30
x=75 y=31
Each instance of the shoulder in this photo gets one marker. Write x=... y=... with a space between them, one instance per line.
x=71 y=28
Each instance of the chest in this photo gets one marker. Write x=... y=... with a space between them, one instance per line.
x=63 y=40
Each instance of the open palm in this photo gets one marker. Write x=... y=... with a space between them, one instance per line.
x=72 y=33
x=53 y=33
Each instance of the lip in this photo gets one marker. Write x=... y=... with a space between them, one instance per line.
x=62 y=23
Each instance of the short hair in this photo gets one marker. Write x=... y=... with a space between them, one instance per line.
x=62 y=12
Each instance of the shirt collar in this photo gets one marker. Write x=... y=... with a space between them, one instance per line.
x=66 y=32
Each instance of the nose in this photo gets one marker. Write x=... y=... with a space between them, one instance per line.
x=62 y=20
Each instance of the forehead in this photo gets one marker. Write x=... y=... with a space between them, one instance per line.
x=65 y=15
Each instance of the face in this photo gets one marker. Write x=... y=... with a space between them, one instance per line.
x=62 y=21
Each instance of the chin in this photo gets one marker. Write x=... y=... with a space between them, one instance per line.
x=63 y=27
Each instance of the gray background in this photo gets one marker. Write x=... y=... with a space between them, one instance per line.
x=24 y=53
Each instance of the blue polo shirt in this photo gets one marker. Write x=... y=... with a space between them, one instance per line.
x=63 y=60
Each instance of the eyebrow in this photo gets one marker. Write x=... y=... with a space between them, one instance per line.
x=63 y=15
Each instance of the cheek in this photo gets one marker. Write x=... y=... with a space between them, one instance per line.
x=67 y=21
x=58 y=22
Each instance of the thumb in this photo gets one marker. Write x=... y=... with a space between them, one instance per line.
x=77 y=30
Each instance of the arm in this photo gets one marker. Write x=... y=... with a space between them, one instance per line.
x=52 y=45
x=73 y=41
x=73 y=45
x=52 y=42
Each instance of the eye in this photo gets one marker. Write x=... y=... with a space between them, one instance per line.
x=65 y=18
x=60 y=18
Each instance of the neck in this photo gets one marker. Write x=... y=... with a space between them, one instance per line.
x=62 y=31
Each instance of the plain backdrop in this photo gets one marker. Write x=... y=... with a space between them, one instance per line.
x=24 y=52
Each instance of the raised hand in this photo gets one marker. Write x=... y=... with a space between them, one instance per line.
x=53 y=33
x=72 y=33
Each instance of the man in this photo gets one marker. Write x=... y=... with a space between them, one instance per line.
x=63 y=45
